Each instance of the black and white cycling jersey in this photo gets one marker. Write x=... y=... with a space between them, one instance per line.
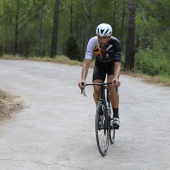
x=113 y=51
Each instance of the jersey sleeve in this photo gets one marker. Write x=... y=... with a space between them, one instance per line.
x=117 y=57
x=90 y=47
x=117 y=49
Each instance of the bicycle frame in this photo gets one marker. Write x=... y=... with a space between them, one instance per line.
x=105 y=99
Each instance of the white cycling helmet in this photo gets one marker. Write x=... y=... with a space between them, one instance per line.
x=104 y=30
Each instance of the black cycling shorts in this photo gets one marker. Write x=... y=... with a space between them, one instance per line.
x=101 y=69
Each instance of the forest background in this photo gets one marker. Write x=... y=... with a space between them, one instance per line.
x=53 y=28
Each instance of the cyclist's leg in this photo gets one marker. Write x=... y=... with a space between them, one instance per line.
x=114 y=96
x=114 y=99
x=97 y=91
x=99 y=74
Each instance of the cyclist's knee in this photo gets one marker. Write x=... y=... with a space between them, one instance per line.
x=112 y=89
x=96 y=90
x=96 y=93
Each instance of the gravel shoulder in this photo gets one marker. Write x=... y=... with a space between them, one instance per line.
x=9 y=105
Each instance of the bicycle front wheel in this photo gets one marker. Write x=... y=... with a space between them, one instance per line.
x=111 y=130
x=101 y=129
x=112 y=135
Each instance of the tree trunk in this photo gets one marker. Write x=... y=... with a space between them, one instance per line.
x=16 y=28
x=130 y=41
x=71 y=19
x=88 y=12
x=39 y=51
x=55 y=30
x=87 y=9
x=114 y=21
x=122 y=25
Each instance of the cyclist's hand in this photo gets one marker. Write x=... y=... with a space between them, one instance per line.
x=82 y=85
x=116 y=82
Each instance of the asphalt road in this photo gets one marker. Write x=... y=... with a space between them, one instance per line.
x=55 y=131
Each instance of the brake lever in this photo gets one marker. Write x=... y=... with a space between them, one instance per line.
x=83 y=90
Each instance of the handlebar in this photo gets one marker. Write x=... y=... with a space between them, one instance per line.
x=98 y=84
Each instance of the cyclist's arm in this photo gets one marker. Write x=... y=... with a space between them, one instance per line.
x=116 y=81
x=116 y=70
x=117 y=62
x=85 y=69
x=88 y=57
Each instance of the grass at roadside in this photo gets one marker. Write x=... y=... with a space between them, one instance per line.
x=58 y=59
x=155 y=79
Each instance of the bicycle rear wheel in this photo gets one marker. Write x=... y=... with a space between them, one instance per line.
x=102 y=132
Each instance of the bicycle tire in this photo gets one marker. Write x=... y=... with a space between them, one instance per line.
x=112 y=131
x=102 y=133
x=112 y=135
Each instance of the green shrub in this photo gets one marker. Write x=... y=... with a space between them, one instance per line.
x=1 y=50
x=153 y=62
x=72 y=49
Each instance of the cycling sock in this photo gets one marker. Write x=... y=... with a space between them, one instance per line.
x=115 y=112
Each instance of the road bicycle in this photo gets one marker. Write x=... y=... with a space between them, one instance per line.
x=104 y=128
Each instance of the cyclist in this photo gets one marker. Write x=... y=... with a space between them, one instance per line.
x=107 y=50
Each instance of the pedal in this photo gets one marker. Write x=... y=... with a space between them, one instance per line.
x=116 y=127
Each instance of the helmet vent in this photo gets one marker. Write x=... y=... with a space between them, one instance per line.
x=106 y=31
x=102 y=31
